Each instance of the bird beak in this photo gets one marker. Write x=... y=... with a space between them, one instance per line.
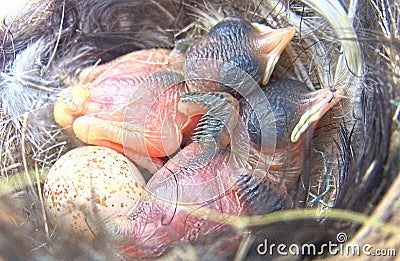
x=270 y=45
x=316 y=105
x=70 y=104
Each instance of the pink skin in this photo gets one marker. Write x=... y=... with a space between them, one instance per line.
x=154 y=225
x=125 y=106
x=131 y=106
x=195 y=192
x=165 y=218
x=122 y=105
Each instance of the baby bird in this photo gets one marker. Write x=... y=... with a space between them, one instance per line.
x=130 y=104
x=276 y=117
x=195 y=191
x=232 y=50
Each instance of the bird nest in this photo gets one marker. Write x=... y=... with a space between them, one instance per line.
x=348 y=185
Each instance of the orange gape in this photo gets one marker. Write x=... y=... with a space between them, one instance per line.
x=128 y=104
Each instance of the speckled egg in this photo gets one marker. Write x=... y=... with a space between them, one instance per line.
x=88 y=187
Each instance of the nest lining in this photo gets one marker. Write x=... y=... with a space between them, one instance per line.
x=49 y=42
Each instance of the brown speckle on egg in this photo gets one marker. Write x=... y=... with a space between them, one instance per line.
x=88 y=187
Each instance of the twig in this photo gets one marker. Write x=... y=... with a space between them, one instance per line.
x=46 y=227
x=245 y=244
x=23 y=149
x=58 y=36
